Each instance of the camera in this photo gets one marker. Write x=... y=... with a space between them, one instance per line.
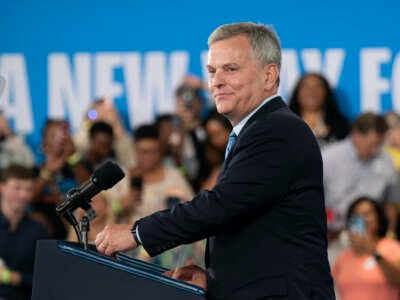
x=188 y=95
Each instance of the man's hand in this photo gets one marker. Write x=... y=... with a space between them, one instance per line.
x=191 y=274
x=115 y=238
x=54 y=162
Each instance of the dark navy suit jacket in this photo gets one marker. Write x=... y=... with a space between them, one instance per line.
x=265 y=219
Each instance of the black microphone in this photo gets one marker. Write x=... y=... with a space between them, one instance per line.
x=104 y=177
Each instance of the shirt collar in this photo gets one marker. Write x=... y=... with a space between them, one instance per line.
x=239 y=126
x=4 y=220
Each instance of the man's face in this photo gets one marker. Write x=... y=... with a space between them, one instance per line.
x=148 y=153
x=101 y=145
x=367 y=145
x=56 y=138
x=17 y=193
x=237 y=81
x=188 y=113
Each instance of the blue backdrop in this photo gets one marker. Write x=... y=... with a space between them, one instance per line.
x=56 y=57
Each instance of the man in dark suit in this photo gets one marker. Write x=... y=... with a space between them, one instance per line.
x=265 y=218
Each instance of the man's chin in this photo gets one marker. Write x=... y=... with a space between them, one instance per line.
x=224 y=113
x=222 y=110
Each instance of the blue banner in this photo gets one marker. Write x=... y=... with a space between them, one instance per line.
x=57 y=57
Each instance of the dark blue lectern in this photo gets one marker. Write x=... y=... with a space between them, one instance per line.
x=64 y=271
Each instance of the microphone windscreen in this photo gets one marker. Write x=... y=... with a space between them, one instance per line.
x=107 y=175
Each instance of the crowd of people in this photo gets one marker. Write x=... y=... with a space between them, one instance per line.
x=180 y=154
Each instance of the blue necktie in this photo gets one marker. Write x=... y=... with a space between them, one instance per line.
x=231 y=142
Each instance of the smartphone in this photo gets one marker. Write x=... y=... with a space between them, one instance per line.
x=92 y=114
x=357 y=224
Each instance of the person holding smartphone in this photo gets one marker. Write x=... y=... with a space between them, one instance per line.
x=370 y=267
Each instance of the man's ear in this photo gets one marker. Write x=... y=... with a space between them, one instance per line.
x=271 y=72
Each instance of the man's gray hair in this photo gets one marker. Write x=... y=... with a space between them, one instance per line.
x=263 y=40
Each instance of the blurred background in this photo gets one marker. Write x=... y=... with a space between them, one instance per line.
x=82 y=82
x=58 y=56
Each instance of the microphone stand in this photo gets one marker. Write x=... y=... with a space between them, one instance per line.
x=104 y=177
x=69 y=216
x=85 y=227
x=67 y=208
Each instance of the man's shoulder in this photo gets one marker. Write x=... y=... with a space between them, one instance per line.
x=386 y=158
x=280 y=119
x=271 y=109
x=337 y=149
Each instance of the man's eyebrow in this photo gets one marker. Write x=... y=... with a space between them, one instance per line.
x=232 y=64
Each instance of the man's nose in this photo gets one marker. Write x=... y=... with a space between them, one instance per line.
x=218 y=79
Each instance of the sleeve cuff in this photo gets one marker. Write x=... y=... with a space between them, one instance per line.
x=138 y=234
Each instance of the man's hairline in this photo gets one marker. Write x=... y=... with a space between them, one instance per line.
x=252 y=52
